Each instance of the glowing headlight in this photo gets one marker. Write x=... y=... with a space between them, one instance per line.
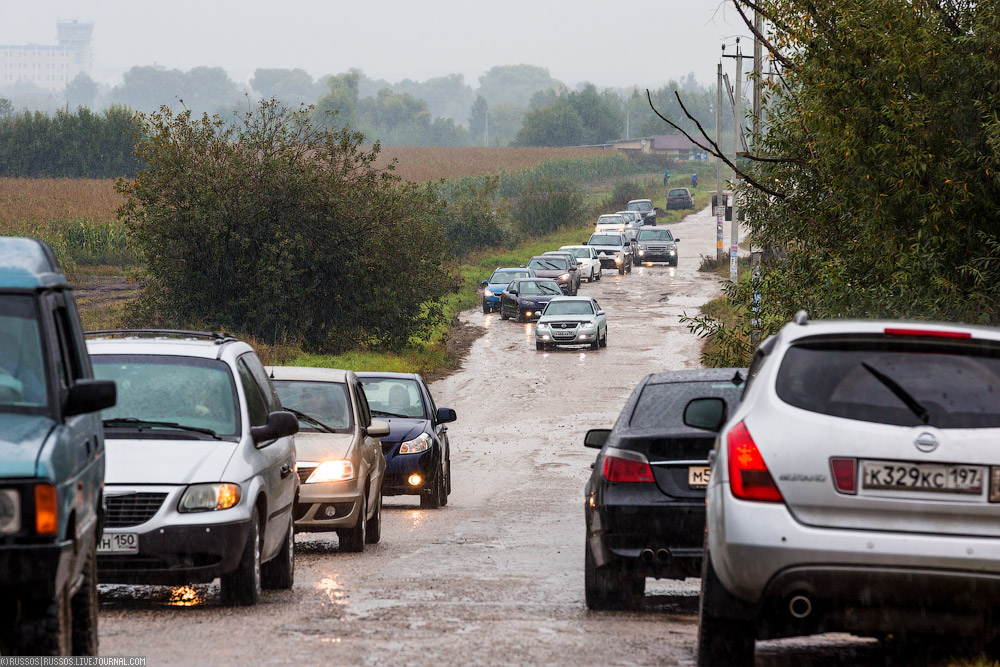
x=338 y=470
x=487 y=292
x=588 y=325
x=10 y=511
x=564 y=276
x=206 y=497
x=642 y=248
x=421 y=443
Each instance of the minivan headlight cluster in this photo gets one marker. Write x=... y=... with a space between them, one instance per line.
x=208 y=497
x=10 y=511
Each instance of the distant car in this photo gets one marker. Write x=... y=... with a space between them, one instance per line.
x=559 y=269
x=632 y=218
x=657 y=244
x=524 y=298
x=497 y=283
x=586 y=258
x=572 y=320
x=614 y=250
x=574 y=265
x=645 y=208
x=679 y=198
x=200 y=481
x=340 y=463
x=645 y=501
x=417 y=449
x=611 y=223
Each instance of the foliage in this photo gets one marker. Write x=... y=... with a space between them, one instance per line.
x=555 y=125
x=884 y=205
x=448 y=97
x=474 y=219
x=515 y=84
x=290 y=86
x=547 y=205
x=81 y=91
x=323 y=248
x=201 y=89
x=624 y=192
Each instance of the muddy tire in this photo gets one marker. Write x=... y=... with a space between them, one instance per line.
x=621 y=269
x=84 y=609
x=46 y=627
x=375 y=523
x=241 y=587
x=503 y=315
x=353 y=539
x=431 y=498
x=539 y=346
x=487 y=309
x=611 y=586
x=279 y=572
x=604 y=339
x=721 y=641
x=600 y=272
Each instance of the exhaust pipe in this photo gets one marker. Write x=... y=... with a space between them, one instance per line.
x=662 y=555
x=800 y=606
x=647 y=555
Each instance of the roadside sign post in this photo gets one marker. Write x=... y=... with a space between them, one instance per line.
x=720 y=214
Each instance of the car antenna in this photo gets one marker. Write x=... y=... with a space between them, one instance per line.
x=737 y=379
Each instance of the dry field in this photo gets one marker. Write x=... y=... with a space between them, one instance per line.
x=429 y=163
x=26 y=200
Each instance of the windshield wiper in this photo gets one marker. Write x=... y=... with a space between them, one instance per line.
x=383 y=413
x=140 y=424
x=308 y=419
x=903 y=395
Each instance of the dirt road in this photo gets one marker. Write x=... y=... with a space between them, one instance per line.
x=497 y=575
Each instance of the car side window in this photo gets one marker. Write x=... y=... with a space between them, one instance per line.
x=70 y=364
x=263 y=381
x=365 y=413
x=256 y=408
x=430 y=401
x=597 y=306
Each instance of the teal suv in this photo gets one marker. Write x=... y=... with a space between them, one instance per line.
x=51 y=460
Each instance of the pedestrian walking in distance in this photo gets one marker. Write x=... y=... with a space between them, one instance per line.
x=666 y=176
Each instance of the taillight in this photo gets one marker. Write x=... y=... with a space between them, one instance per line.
x=749 y=478
x=626 y=470
x=927 y=333
x=46 y=510
x=995 y=484
x=845 y=475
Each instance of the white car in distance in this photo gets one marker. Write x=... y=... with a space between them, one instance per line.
x=586 y=257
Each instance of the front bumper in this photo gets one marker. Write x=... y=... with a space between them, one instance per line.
x=551 y=336
x=35 y=571
x=491 y=301
x=611 y=262
x=400 y=467
x=328 y=505
x=652 y=255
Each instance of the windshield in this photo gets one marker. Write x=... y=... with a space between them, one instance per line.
x=23 y=385
x=605 y=239
x=539 y=288
x=655 y=235
x=611 y=220
x=548 y=264
x=192 y=392
x=640 y=206
x=579 y=253
x=324 y=401
x=504 y=277
x=904 y=383
x=678 y=192
x=569 y=308
x=394 y=397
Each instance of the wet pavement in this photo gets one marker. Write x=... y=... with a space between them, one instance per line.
x=496 y=576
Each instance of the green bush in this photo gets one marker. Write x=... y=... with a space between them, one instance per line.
x=547 y=205
x=475 y=220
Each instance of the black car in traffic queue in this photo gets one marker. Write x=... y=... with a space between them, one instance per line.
x=645 y=500
x=558 y=268
x=525 y=298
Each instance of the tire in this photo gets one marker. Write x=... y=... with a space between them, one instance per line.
x=721 y=641
x=374 y=534
x=83 y=607
x=604 y=339
x=518 y=318
x=443 y=488
x=600 y=272
x=621 y=269
x=486 y=309
x=46 y=627
x=539 y=346
x=611 y=586
x=353 y=539
x=431 y=498
x=447 y=489
x=629 y=269
x=279 y=572
x=503 y=315
x=591 y=278
x=241 y=587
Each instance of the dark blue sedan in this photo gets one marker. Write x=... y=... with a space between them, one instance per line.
x=498 y=283
x=417 y=451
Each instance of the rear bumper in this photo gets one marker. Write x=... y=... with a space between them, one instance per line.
x=35 y=571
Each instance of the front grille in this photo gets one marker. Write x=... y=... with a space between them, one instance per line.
x=132 y=509
x=304 y=472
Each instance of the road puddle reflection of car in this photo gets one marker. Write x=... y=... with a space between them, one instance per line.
x=186 y=596
x=333 y=590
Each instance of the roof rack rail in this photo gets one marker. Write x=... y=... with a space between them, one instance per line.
x=218 y=337
x=801 y=318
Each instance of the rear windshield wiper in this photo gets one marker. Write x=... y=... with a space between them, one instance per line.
x=903 y=395
x=383 y=413
x=148 y=423
x=308 y=419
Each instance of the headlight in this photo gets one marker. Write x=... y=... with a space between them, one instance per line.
x=421 y=443
x=588 y=325
x=486 y=292
x=564 y=276
x=642 y=248
x=332 y=471
x=673 y=251
x=530 y=304
x=10 y=511
x=541 y=325
x=205 y=497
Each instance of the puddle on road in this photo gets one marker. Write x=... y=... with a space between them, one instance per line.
x=186 y=596
x=332 y=589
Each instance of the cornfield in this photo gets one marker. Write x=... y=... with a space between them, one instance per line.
x=39 y=199
x=430 y=163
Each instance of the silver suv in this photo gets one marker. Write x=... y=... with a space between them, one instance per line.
x=856 y=488
x=200 y=480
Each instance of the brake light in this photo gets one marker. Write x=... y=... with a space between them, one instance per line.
x=845 y=475
x=927 y=333
x=46 y=510
x=749 y=477
x=626 y=470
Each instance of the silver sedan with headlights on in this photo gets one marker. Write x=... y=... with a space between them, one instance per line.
x=572 y=320
x=340 y=461
x=657 y=244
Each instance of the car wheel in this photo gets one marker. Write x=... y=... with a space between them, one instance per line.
x=629 y=269
x=721 y=641
x=519 y=317
x=447 y=465
x=353 y=539
x=431 y=498
x=503 y=315
x=241 y=587
x=443 y=488
x=599 y=272
x=591 y=278
x=539 y=346
x=611 y=586
x=375 y=524
x=83 y=609
x=486 y=308
x=604 y=339
x=279 y=572
x=596 y=344
x=621 y=269
x=46 y=626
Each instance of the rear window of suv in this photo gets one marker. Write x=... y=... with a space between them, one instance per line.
x=898 y=382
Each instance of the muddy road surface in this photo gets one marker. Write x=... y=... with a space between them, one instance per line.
x=496 y=576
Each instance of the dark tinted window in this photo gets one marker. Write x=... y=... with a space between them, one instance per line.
x=662 y=405
x=957 y=384
x=256 y=408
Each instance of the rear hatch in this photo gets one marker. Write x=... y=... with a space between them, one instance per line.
x=886 y=432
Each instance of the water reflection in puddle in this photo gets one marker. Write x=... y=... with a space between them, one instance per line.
x=186 y=596
x=333 y=590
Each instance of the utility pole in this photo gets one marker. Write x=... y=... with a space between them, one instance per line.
x=627 y=111
x=758 y=80
x=720 y=202
x=737 y=133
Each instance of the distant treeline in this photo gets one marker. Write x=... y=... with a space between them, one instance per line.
x=72 y=144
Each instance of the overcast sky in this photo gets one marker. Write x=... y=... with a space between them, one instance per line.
x=617 y=43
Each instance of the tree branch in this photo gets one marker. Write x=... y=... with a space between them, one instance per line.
x=750 y=24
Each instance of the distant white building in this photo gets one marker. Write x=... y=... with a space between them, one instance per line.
x=49 y=66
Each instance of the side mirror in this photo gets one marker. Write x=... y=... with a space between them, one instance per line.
x=600 y=312
x=377 y=429
x=583 y=243
x=676 y=240
x=279 y=425
x=596 y=437
x=445 y=416
x=513 y=292
x=706 y=413
x=89 y=396
x=485 y=283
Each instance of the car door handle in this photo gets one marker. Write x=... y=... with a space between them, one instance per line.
x=286 y=470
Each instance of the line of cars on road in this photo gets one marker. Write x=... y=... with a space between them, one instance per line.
x=847 y=481
x=175 y=457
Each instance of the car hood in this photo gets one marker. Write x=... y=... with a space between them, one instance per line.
x=21 y=439
x=612 y=249
x=403 y=429
x=549 y=319
x=319 y=446
x=537 y=298
x=159 y=461
x=496 y=288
